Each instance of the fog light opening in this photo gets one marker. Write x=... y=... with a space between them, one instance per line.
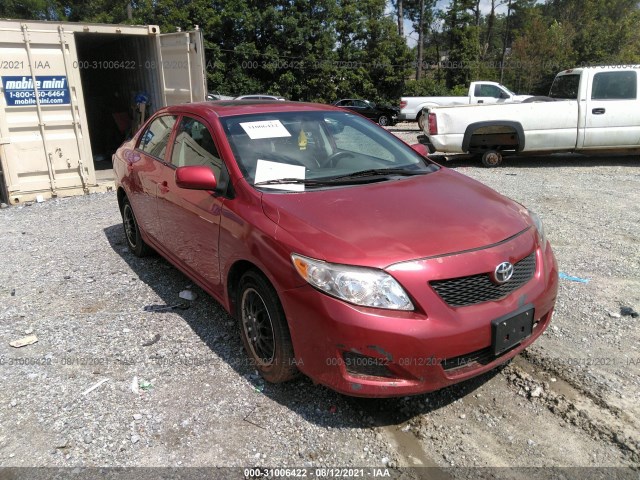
x=363 y=365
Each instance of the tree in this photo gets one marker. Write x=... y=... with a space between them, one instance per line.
x=463 y=42
x=540 y=52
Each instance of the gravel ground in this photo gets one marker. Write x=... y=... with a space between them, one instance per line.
x=174 y=388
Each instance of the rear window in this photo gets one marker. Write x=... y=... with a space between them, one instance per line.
x=155 y=138
x=565 y=87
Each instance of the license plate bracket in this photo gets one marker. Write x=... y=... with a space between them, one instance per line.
x=510 y=330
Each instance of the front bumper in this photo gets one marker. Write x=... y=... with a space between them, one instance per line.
x=420 y=351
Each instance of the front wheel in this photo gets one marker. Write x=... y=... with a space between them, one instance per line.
x=384 y=121
x=491 y=158
x=264 y=329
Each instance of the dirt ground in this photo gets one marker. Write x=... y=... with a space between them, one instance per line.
x=174 y=388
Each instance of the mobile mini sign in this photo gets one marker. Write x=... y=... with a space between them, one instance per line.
x=52 y=90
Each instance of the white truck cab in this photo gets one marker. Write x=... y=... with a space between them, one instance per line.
x=482 y=92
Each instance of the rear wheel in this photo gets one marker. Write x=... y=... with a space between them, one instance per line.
x=421 y=122
x=132 y=232
x=264 y=329
x=491 y=158
x=384 y=121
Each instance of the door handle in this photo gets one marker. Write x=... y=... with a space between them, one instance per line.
x=480 y=101
x=598 y=111
x=163 y=187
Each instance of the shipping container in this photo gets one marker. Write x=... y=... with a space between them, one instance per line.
x=72 y=92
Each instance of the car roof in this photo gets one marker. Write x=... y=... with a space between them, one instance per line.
x=228 y=108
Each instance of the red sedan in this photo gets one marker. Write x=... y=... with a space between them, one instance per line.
x=344 y=253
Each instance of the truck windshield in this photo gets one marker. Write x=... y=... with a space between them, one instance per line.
x=565 y=87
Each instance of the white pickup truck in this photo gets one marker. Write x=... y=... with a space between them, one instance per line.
x=479 y=92
x=592 y=109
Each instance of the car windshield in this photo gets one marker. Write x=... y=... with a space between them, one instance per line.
x=317 y=149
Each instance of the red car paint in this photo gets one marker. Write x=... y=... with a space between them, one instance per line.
x=418 y=229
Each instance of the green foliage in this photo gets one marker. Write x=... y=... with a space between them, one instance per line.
x=426 y=87
x=324 y=50
x=460 y=91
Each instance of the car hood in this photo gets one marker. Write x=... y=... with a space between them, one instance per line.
x=402 y=219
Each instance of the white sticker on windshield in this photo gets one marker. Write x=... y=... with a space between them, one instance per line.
x=266 y=170
x=265 y=129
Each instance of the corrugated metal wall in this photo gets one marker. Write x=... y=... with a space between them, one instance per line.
x=45 y=147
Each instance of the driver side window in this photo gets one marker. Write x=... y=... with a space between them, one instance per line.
x=488 y=91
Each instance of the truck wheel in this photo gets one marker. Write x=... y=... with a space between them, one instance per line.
x=491 y=158
x=421 y=122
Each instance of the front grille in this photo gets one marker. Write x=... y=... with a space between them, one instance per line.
x=464 y=291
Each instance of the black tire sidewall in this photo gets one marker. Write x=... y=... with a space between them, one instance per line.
x=283 y=367
x=140 y=248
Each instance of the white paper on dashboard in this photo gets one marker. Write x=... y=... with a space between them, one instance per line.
x=266 y=170
x=265 y=129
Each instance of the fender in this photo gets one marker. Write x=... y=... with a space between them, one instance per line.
x=466 y=140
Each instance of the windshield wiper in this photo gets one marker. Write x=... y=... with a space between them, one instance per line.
x=376 y=172
x=355 y=177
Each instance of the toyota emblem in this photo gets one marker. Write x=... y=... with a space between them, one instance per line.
x=503 y=272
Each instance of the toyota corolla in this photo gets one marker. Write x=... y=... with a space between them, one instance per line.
x=343 y=253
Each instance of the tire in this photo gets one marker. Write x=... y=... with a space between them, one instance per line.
x=491 y=158
x=132 y=232
x=259 y=311
x=421 y=123
x=384 y=121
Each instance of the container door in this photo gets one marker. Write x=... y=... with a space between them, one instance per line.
x=182 y=67
x=44 y=144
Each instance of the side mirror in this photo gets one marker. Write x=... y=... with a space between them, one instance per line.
x=421 y=149
x=196 y=177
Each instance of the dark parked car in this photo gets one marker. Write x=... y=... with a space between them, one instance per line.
x=381 y=114
x=343 y=253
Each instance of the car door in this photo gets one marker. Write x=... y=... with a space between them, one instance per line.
x=612 y=113
x=489 y=94
x=147 y=171
x=191 y=218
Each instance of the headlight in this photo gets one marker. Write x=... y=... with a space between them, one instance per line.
x=359 y=285
x=538 y=223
